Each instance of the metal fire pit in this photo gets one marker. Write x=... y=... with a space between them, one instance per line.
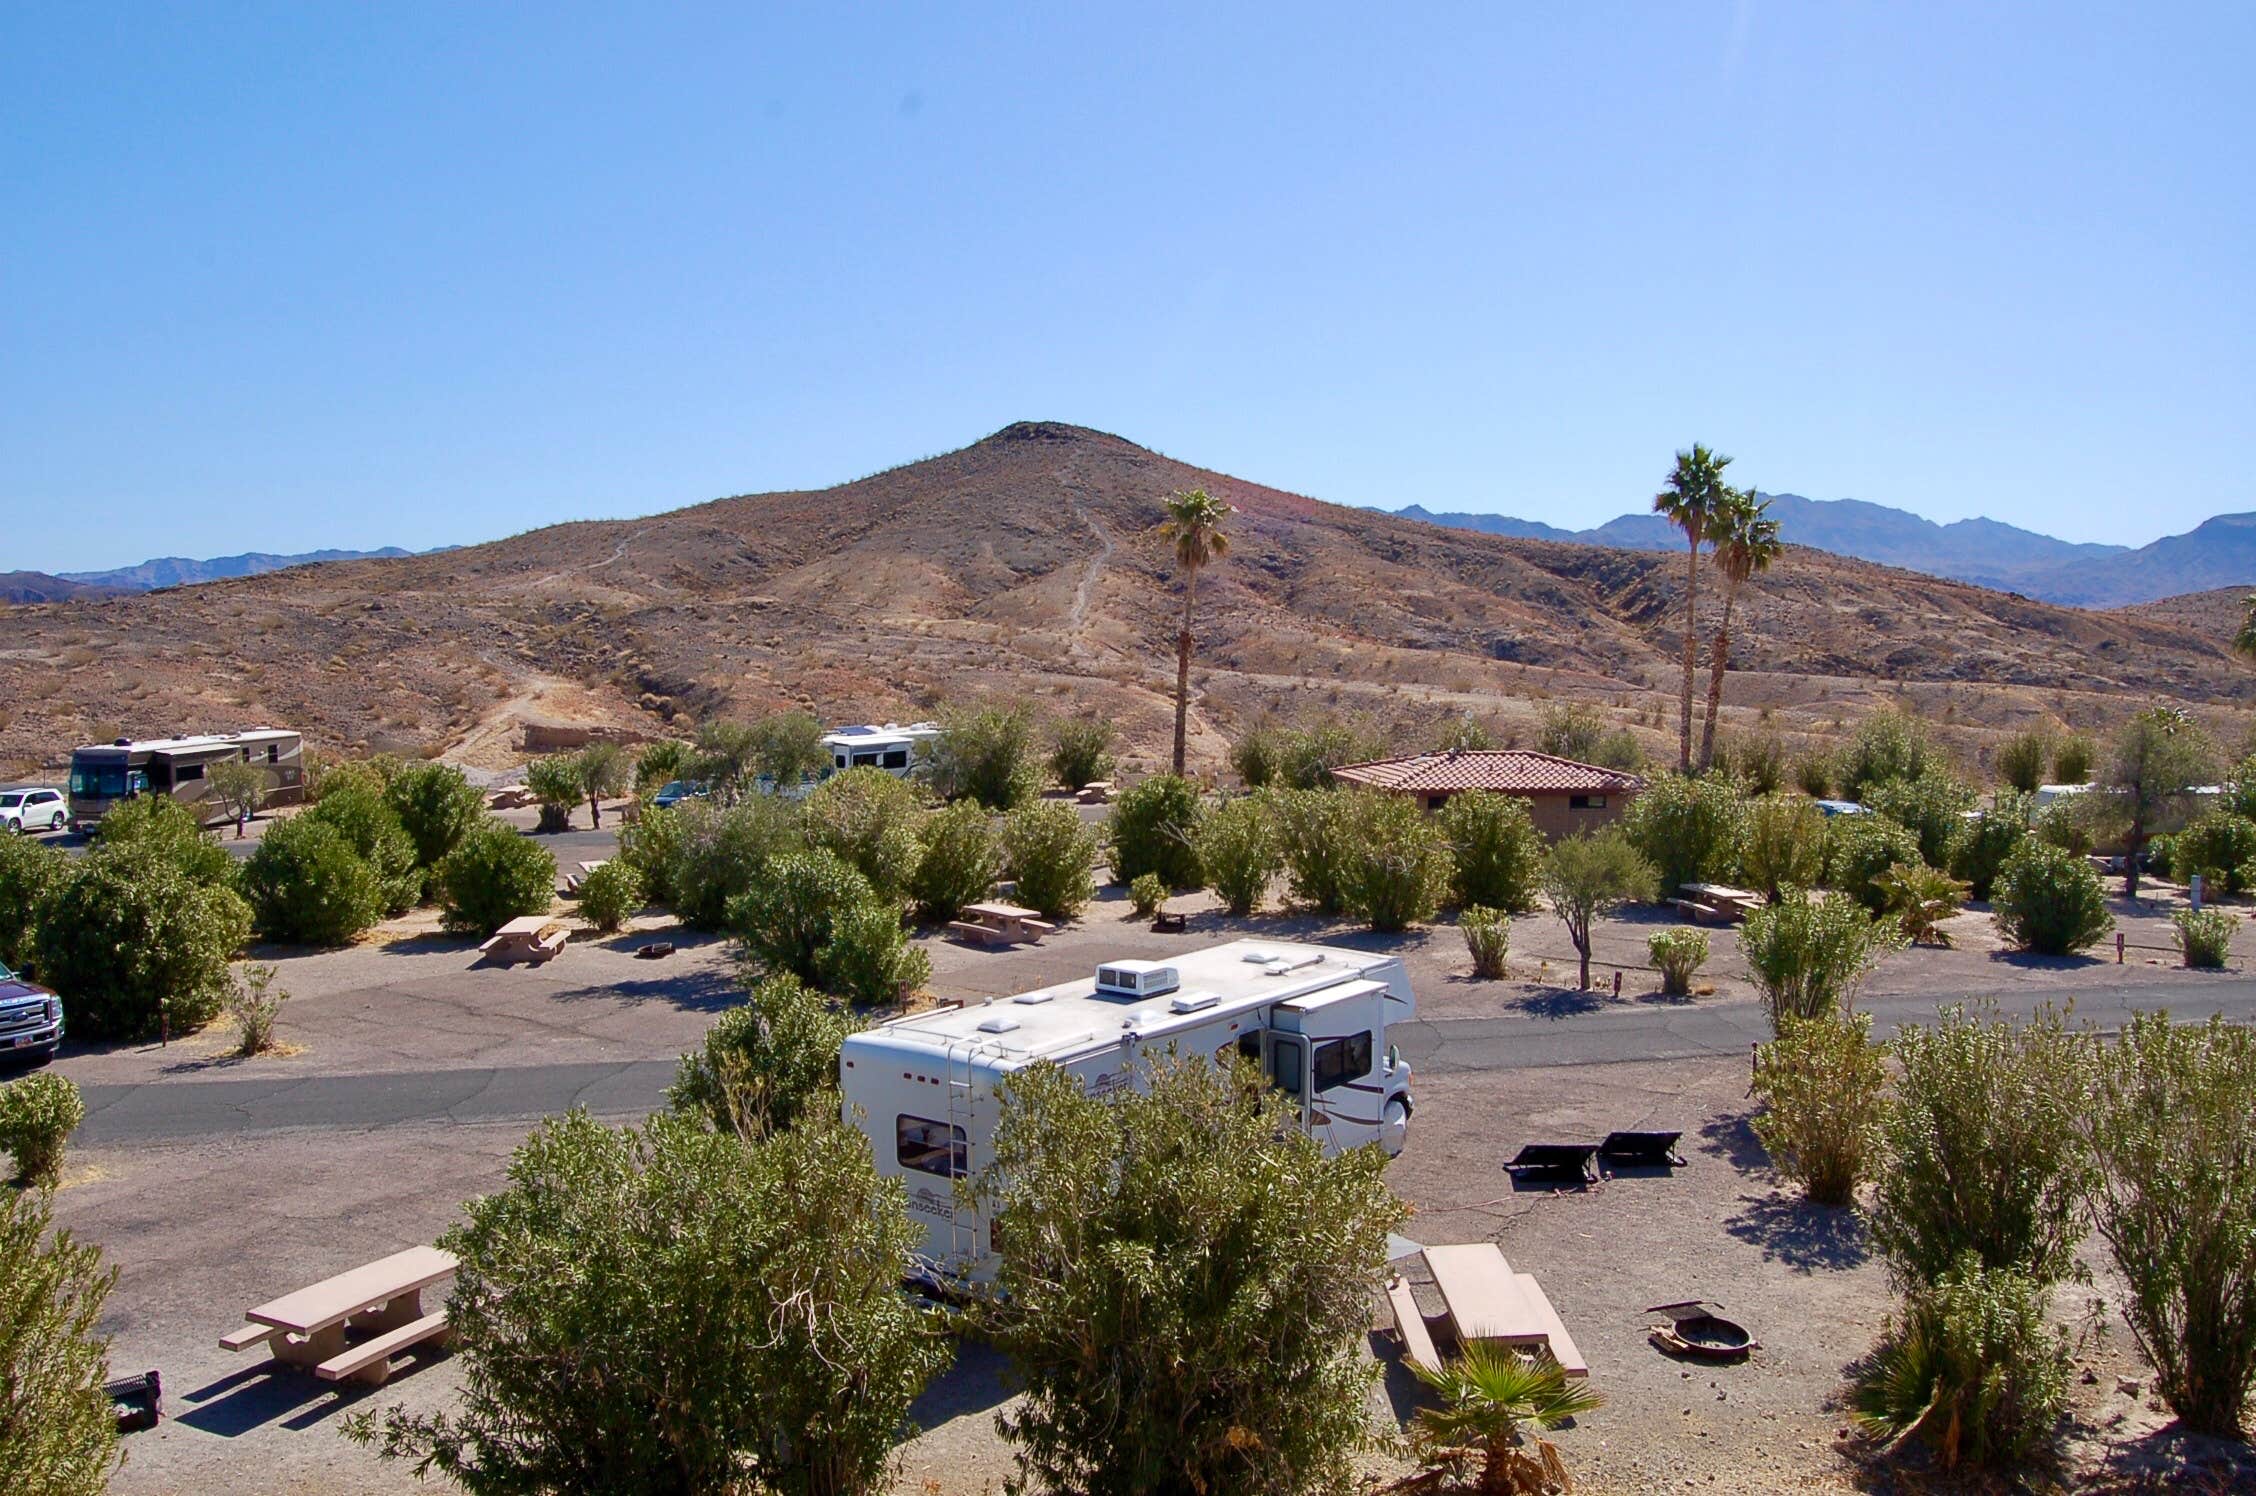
x=1696 y=1330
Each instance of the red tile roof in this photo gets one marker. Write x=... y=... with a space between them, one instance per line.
x=1512 y=771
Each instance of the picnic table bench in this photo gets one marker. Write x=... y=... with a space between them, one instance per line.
x=532 y=937
x=1486 y=1300
x=1715 y=901
x=1000 y=924
x=572 y=881
x=310 y=1327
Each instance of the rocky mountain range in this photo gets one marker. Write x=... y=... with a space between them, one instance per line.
x=181 y=571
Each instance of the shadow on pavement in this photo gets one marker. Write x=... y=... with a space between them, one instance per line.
x=977 y=1381
x=1803 y=1236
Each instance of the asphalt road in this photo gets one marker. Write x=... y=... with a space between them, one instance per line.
x=1592 y=1035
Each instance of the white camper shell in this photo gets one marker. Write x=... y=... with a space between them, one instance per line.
x=1314 y=1018
x=899 y=751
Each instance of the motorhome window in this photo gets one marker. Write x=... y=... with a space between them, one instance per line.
x=1249 y=1045
x=896 y=758
x=1339 y=1061
x=930 y=1147
x=1284 y=1068
x=182 y=773
x=98 y=781
x=274 y=753
x=865 y=760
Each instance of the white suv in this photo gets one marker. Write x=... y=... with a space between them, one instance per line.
x=32 y=810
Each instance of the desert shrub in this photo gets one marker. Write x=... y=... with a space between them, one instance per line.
x=661 y=763
x=61 y=1437
x=987 y=755
x=1932 y=807
x=239 y=786
x=1859 y=849
x=1920 y=899
x=1307 y=755
x=870 y=958
x=132 y=943
x=1688 y=829
x=1570 y=730
x=1154 y=829
x=2146 y=783
x=1987 y=839
x=492 y=877
x=1463 y=733
x=2176 y=1204
x=1081 y=751
x=768 y=1063
x=958 y=862
x=721 y=851
x=785 y=750
x=1312 y=827
x=1783 y=845
x=1495 y=852
x=1756 y=760
x=1984 y=1153
x=28 y=870
x=1588 y=876
x=2021 y=762
x=308 y=885
x=611 y=895
x=1620 y=749
x=868 y=819
x=1822 y=1083
x=1237 y=850
x=1969 y=1368
x=254 y=1002
x=1146 y=895
x=735 y=1306
x=1888 y=745
x=1488 y=939
x=372 y=828
x=1677 y=954
x=1397 y=864
x=2219 y=846
x=1185 y=1290
x=2204 y=936
x=814 y=917
x=376 y=772
x=1813 y=774
x=2072 y=760
x=2066 y=824
x=1256 y=755
x=555 y=782
x=651 y=845
x=37 y=1114
x=2049 y=901
x=2239 y=789
x=436 y=807
x=1808 y=956
x=161 y=827
x=1052 y=855
x=605 y=772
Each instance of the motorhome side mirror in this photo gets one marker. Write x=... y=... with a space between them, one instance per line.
x=1394 y=1056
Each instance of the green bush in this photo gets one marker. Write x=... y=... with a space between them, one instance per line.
x=1859 y=850
x=2021 y=762
x=870 y=959
x=666 y=1308
x=661 y=763
x=1154 y=829
x=1146 y=895
x=1488 y=939
x=131 y=941
x=1052 y=856
x=721 y=852
x=61 y=1430
x=1690 y=830
x=765 y=1065
x=611 y=895
x=958 y=863
x=1984 y=1155
x=37 y=1114
x=1921 y=901
x=1186 y=1284
x=785 y=749
x=555 y=782
x=988 y=756
x=1932 y=807
x=1969 y=1368
x=1808 y=956
x=372 y=829
x=1586 y=876
x=494 y=876
x=436 y=807
x=1570 y=730
x=1237 y=850
x=1312 y=828
x=651 y=845
x=1813 y=774
x=870 y=820
x=1987 y=839
x=1080 y=751
x=1822 y=1083
x=1462 y=733
x=1620 y=749
x=1257 y=755
x=1307 y=755
x=1397 y=864
x=2049 y=902
x=786 y=919
x=1889 y=744
x=1496 y=853
x=1757 y=761
x=1677 y=954
x=2072 y=760
x=255 y=1003
x=2204 y=936
x=2176 y=1205
x=2218 y=847
x=2066 y=824
x=160 y=826
x=28 y=870
x=1783 y=845
x=308 y=885
x=2239 y=797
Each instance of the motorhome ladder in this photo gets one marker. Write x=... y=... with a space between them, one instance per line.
x=963 y=1237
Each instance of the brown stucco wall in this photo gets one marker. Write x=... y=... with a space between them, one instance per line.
x=1554 y=817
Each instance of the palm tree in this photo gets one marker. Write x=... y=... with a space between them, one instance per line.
x=1488 y=1393
x=1694 y=490
x=1194 y=523
x=1746 y=541
x=2244 y=642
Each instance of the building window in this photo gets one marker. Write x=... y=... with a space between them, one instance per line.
x=1339 y=1061
x=930 y=1147
x=1586 y=802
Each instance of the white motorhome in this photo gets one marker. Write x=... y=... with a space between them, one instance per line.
x=1314 y=1018
x=898 y=750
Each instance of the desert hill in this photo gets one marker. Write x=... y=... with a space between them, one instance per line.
x=1029 y=565
x=184 y=571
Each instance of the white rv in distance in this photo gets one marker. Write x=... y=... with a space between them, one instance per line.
x=899 y=751
x=1314 y=1018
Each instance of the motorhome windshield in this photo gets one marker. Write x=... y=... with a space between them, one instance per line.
x=94 y=780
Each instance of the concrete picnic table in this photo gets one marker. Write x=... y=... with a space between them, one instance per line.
x=1720 y=899
x=307 y=1328
x=1488 y=1301
x=997 y=923
x=531 y=937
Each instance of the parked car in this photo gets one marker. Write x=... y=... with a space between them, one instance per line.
x=31 y=1018
x=23 y=811
x=678 y=790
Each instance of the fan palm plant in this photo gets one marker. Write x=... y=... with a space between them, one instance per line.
x=1489 y=1393
x=1694 y=492
x=1194 y=524
x=1746 y=541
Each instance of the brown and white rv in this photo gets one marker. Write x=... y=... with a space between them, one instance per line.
x=104 y=774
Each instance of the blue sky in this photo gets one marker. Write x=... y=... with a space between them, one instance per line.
x=293 y=276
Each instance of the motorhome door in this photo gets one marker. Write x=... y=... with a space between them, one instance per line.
x=1284 y=1059
x=1342 y=1036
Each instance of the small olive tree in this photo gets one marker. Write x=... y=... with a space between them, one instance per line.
x=603 y=768
x=555 y=782
x=240 y=786
x=2152 y=767
x=1586 y=877
x=58 y=1432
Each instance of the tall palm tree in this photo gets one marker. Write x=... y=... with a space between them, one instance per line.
x=1488 y=1394
x=1194 y=523
x=1746 y=541
x=1694 y=490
